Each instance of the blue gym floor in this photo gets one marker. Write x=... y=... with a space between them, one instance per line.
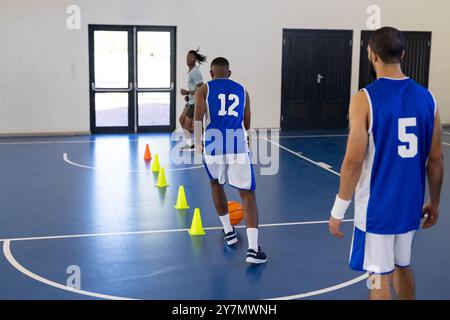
x=91 y=202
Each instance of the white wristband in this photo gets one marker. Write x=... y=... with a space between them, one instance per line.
x=340 y=208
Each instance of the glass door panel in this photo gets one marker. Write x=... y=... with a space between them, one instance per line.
x=111 y=109
x=154 y=108
x=111 y=59
x=153 y=59
x=155 y=73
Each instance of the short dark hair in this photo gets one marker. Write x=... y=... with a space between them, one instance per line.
x=220 y=61
x=198 y=56
x=388 y=43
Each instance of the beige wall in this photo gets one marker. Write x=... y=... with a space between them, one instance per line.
x=44 y=66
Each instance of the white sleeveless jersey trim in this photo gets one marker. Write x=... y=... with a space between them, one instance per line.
x=362 y=194
x=245 y=96
x=243 y=117
x=208 y=114
x=371 y=110
x=396 y=79
x=435 y=103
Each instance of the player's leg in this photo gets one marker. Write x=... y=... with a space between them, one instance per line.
x=254 y=253
x=186 y=125
x=379 y=259
x=183 y=116
x=189 y=122
x=403 y=277
x=383 y=290
x=404 y=283
x=189 y=127
x=251 y=215
x=374 y=253
x=216 y=172
x=221 y=204
x=241 y=176
x=251 y=208
x=219 y=198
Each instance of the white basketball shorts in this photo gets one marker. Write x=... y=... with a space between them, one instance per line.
x=236 y=168
x=380 y=253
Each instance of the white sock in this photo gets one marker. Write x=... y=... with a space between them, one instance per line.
x=252 y=236
x=226 y=223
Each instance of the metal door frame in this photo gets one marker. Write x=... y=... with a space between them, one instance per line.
x=132 y=89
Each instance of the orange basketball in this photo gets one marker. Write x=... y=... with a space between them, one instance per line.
x=236 y=212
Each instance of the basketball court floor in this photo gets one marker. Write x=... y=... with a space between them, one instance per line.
x=89 y=202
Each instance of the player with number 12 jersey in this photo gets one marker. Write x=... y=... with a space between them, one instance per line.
x=225 y=106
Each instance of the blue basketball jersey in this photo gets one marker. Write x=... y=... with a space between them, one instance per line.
x=225 y=132
x=390 y=193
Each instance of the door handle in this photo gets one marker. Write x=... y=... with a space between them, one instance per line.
x=319 y=78
x=94 y=89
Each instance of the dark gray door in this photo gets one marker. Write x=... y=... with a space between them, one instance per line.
x=316 y=79
x=416 y=63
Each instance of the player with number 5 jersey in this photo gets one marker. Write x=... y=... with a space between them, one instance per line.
x=394 y=143
x=225 y=106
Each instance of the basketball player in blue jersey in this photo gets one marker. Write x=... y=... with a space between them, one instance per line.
x=393 y=144
x=225 y=105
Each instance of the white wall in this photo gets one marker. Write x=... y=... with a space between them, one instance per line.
x=44 y=66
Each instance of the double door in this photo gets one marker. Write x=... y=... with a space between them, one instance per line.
x=132 y=72
x=316 y=79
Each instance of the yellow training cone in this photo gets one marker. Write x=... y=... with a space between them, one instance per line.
x=161 y=182
x=196 y=226
x=155 y=164
x=181 y=200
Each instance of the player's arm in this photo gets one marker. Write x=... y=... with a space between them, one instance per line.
x=247 y=112
x=435 y=173
x=197 y=77
x=185 y=92
x=196 y=88
x=199 y=113
x=358 y=141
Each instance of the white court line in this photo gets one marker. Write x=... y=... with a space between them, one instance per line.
x=143 y=138
x=445 y=143
x=325 y=290
x=66 y=159
x=86 y=235
x=445 y=132
x=8 y=254
x=25 y=271
x=324 y=165
x=50 y=142
x=315 y=136
x=302 y=157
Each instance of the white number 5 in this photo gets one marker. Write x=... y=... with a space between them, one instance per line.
x=409 y=151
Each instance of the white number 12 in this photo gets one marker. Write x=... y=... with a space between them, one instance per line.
x=409 y=151
x=223 y=100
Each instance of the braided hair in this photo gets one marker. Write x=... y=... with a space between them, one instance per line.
x=198 y=56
